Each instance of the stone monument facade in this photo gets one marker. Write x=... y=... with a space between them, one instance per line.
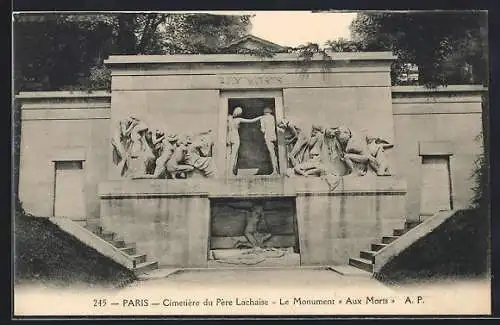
x=203 y=160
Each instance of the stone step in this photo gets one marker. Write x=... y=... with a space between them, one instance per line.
x=118 y=243
x=367 y=255
x=95 y=228
x=399 y=232
x=361 y=263
x=138 y=258
x=349 y=270
x=409 y=224
x=146 y=266
x=378 y=246
x=424 y=217
x=80 y=222
x=107 y=235
x=389 y=239
x=129 y=250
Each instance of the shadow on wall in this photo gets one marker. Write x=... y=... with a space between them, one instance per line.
x=458 y=248
x=43 y=253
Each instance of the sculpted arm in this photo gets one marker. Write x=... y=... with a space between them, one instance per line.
x=245 y=120
x=158 y=140
x=127 y=130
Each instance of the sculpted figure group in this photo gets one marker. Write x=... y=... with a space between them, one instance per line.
x=333 y=151
x=140 y=152
x=329 y=152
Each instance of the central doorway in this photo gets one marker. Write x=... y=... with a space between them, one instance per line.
x=252 y=155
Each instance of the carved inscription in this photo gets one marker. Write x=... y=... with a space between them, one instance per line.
x=253 y=81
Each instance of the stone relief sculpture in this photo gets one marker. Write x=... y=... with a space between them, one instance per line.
x=376 y=148
x=177 y=166
x=312 y=164
x=295 y=142
x=121 y=142
x=315 y=154
x=353 y=151
x=199 y=154
x=139 y=152
x=254 y=238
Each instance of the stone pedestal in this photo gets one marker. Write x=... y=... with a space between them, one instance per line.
x=170 y=219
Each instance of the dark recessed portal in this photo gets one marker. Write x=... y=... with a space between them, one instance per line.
x=253 y=153
x=260 y=232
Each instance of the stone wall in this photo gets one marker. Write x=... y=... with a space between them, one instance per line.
x=451 y=116
x=334 y=226
x=169 y=221
x=59 y=126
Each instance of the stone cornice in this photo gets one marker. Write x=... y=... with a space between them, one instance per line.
x=235 y=58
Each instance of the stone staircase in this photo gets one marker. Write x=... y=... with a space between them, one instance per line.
x=365 y=261
x=141 y=264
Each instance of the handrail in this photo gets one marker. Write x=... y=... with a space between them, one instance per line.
x=387 y=253
x=92 y=240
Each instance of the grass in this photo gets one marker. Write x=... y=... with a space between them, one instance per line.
x=44 y=254
x=458 y=249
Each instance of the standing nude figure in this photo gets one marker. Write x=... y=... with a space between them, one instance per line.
x=121 y=142
x=233 y=137
x=268 y=127
x=140 y=152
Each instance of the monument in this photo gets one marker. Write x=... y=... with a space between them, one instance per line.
x=223 y=175
x=210 y=160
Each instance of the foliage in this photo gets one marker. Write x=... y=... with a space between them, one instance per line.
x=43 y=253
x=64 y=51
x=481 y=188
x=458 y=249
x=446 y=46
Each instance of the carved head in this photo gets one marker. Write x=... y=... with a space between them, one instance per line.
x=183 y=145
x=258 y=209
x=267 y=110
x=316 y=129
x=330 y=132
x=237 y=111
x=343 y=134
x=172 y=138
x=141 y=129
x=283 y=124
x=370 y=139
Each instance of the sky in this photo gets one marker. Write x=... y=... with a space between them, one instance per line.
x=293 y=28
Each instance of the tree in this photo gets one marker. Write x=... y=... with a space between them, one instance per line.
x=59 y=51
x=446 y=46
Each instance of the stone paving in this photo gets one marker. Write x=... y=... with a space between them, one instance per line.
x=271 y=278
